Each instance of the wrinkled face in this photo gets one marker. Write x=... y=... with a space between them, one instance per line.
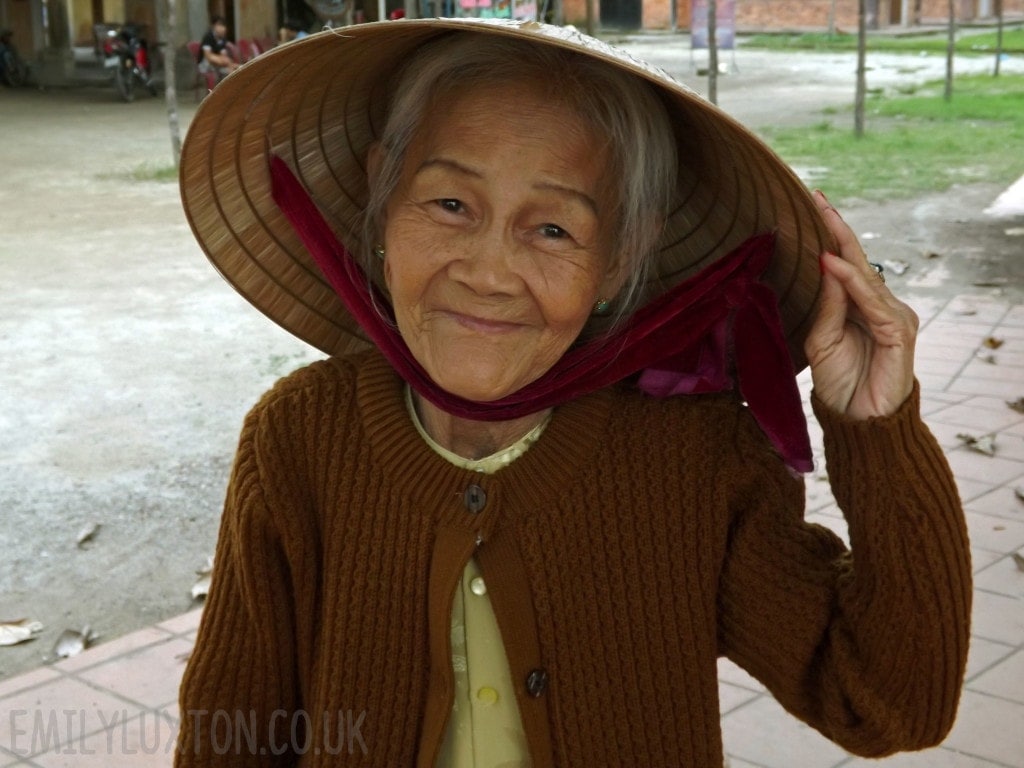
x=497 y=239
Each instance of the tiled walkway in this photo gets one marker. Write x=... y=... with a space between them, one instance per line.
x=114 y=705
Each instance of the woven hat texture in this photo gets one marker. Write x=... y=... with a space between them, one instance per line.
x=320 y=103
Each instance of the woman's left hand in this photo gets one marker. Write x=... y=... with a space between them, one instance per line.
x=861 y=347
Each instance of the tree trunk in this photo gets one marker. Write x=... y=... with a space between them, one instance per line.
x=713 y=51
x=950 y=46
x=862 y=87
x=832 y=18
x=590 y=18
x=999 y=36
x=167 y=31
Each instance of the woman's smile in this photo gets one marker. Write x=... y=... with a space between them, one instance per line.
x=483 y=325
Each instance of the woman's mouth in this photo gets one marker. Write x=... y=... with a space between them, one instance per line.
x=486 y=325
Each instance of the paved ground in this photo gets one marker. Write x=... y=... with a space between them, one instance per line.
x=129 y=365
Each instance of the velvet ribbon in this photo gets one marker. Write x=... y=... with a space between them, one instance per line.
x=682 y=342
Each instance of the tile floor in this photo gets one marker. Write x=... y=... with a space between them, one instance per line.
x=114 y=705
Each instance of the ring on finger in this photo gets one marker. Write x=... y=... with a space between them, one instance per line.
x=879 y=269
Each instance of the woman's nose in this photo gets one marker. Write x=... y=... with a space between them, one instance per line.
x=487 y=264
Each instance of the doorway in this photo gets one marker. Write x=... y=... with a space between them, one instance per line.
x=621 y=14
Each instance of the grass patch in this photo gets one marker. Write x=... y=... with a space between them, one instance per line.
x=915 y=144
x=982 y=43
x=146 y=172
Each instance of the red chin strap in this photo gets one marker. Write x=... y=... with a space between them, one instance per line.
x=680 y=343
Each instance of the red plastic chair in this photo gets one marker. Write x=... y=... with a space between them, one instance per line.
x=248 y=50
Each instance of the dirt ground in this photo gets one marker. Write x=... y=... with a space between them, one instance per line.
x=128 y=363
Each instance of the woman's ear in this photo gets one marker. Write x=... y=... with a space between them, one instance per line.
x=615 y=275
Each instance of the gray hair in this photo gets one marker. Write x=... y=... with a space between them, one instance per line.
x=613 y=103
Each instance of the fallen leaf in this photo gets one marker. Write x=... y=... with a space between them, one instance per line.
x=992 y=342
x=87 y=534
x=202 y=587
x=990 y=282
x=930 y=255
x=1017 y=405
x=987 y=358
x=1019 y=560
x=19 y=631
x=72 y=642
x=896 y=266
x=1019 y=493
x=985 y=444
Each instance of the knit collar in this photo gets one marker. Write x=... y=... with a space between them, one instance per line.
x=569 y=446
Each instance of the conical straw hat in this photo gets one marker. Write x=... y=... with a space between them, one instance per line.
x=319 y=103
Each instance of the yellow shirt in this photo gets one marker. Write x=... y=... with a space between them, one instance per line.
x=485 y=730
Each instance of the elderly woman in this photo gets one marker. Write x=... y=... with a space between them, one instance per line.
x=550 y=471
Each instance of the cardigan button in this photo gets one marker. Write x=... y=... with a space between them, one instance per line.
x=474 y=498
x=537 y=682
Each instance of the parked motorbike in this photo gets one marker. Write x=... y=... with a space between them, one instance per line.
x=13 y=70
x=127 y=53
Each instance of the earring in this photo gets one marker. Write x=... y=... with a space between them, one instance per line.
x=378 y=251
x=602 y=307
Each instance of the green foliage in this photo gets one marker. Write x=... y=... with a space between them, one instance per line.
x=916 y=144
x=146 y=172
x=155 y=173
x=984 y=43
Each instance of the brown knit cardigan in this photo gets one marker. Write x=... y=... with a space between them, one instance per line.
x=636 y=542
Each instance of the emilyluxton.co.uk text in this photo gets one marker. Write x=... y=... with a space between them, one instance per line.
x=218 y=731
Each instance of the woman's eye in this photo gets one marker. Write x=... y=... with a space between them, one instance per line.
x=553 y=231
x=450 y=205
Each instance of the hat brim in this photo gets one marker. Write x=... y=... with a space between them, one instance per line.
x=319 y=103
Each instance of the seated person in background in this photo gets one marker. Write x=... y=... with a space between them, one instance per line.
x=291 y=30
x=213 y=50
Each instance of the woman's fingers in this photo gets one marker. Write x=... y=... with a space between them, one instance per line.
x=862 y=344
x=850 y=249
x=875 y=303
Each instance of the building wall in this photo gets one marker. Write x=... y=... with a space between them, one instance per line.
x=575 y=12
x=808 y=14
x=968 y=10
x=798 y=14
x=658 y=14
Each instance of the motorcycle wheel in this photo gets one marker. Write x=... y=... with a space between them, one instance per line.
x=124 y=81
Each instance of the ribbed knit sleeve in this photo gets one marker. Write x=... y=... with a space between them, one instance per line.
x=868 y=645
x=240 y=689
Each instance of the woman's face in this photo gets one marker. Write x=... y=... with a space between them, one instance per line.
x=497 y=239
